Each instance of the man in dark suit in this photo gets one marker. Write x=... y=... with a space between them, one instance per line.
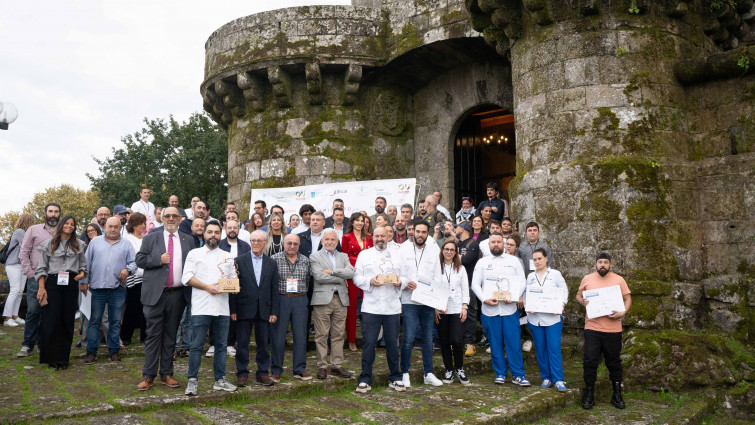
x=255 y=305
x=162 y=256
x=310 y=240
x=337 y=203
x=201 y=210
x=232 y=243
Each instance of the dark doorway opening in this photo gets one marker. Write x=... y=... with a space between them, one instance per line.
x=484 y=151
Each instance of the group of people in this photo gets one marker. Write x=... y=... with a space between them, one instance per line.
x=161 y=274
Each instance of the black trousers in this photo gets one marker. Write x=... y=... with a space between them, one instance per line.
x=133 y=315
x=56 y=325
x=261 y=339
x=451 y=333
x=606 y=345
x=162 y=326
x=470 y=325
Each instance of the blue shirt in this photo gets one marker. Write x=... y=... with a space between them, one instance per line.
x=105 y=261
x=257 y=266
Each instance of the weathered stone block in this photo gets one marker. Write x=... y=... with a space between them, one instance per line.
x=342 y=167
x=273 y=168
x=295 y=127
x=605 y=96
x=726 y=288
x=252 y=171
x=313 y=165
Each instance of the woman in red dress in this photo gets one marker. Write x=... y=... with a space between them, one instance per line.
x=353 y=242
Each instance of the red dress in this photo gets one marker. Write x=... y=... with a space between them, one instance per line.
x=350 y=247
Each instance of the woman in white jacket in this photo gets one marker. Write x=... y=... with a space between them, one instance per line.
x=546 y=327
x=450 y=322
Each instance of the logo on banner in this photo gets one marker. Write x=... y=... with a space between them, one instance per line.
x=312 y=195
x=337 y=191
x=300 y=194
x=404 y=188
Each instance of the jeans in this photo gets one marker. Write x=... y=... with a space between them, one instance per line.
x=423 y=316
x=200 y=325
x=505 y=330
x=606 y=345
x=17 y=279
x=371 y=325
x=185 y=328
x=33 y=314
x=547 y=341
x=115 y=298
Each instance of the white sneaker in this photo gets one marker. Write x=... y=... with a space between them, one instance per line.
x=224 y=385
x=210 y=352
x=230 y=351
x=191 y=387
x=77 y=316
x=10 y=322
x=398 y=386
x=406 y=381
x=430 y=379
x=527 y=346
x=20 y=321
x=488 y=350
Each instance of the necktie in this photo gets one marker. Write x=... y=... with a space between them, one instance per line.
x=169 y=280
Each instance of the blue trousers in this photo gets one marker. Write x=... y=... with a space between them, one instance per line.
x=547 y=340
x=423 y=316
x=504 y=330
x=200 y=326
x=294 y=310
x=184 y=330
x=115 y=298
x=33 y=314
x=371 y=324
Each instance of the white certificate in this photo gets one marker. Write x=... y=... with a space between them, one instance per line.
x=86 y=304
x=603 y=301
x=435 y=296
x=538 y=301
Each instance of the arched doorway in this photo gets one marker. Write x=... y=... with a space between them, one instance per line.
x=484 y=151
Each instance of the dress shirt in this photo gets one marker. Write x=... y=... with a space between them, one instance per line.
x=420 y=263
x=205 y=265
x=384 y=299
x=485 y=248
x=552 y=283
x=332 y=258
x=339 y=230
x=62 y=260
x=526 y=249
x=459 y=285
x=243 y=235
x=503 y=265
x=29 y=254
x=301 y=228
x=146 y=208
x=316 y=240
x=234 y=249
x=105 y=261
x=257 y=266
x=298 y=270
x=177 y=256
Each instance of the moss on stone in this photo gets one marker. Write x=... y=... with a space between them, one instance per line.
x=644 y=311
x=288 y=180
x=408 y=39
x=650 y=287
x=453 y=17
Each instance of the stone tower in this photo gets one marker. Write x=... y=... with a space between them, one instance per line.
x=633 y=119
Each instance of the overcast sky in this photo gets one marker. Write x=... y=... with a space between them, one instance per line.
x=84 y=73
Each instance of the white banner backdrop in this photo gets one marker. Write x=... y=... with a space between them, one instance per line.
x=357 y=196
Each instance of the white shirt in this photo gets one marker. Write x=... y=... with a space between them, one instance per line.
x=485 y=248
x=445 y=212
x=340 y=231
x=552 y=283
x=146 y=208
x=244 y=235
x=316 y=241
x=234 y=248
x=177 y=257
x=504 y=265
x=205 y=265
x=459 y=284
x=420 y=263
x=300 y=229
x=189 y=213
x=384 y=299
x=137 y=244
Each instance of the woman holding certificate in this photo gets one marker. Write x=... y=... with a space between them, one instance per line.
x=544 y=300
x=451 y=322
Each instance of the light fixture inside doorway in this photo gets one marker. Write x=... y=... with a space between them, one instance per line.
x=495 y=138
x=494 y=124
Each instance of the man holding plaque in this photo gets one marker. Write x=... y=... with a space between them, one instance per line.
x=603 y=334
x=421 y=265
x=377 y=274
x=499 y=282
x=208 y=270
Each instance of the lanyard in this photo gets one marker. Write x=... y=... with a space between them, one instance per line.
x=544 y=277
x=288 y=266
x=447 y=272
x=417 y=263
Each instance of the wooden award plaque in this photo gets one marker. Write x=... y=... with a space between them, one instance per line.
x=388 y=279
x=230 y=285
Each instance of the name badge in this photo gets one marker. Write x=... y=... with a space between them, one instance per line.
x=532 y=265
x=63 y=279
x=292 y=285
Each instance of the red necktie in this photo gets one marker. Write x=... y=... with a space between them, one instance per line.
x=169 y=280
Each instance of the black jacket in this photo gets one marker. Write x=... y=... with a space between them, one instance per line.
x=243 y=247
x=252 y=298
x=305 y=244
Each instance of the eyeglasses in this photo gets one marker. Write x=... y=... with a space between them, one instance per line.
x=449 y=250
x=171 y=216
x=258 y=241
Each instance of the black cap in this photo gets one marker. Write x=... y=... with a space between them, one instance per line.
x=603 y=256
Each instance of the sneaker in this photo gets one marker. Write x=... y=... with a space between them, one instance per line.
x=546 y=383
x=448 y=377
x=561 y=386
x=527 y=346
x=406 y=381
x=191 y=387
x=25 y=351
x=10 y=323
x=462 y=377
x=20 y=321
x=487 y=350
x=430 y=379
x=500 y=379
x=363 y=387
x=77 y=316
x=398 y=386
x=521 y=381
x=483 y=341
x=224 y=385
x=231 y=351
x=304 y=376
x=470 y=350
x=210 y=352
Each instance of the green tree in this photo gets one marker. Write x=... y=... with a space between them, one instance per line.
x=184 y=159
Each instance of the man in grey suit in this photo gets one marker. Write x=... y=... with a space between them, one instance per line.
x=164 y=297
x=330 y=269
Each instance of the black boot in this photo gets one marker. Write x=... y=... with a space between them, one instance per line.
x=588 y=396
x=616 y=399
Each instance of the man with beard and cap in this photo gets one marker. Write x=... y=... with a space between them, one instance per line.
x=380 y=204
x=29 y=256
x=204 y=268
x=121 y=212
x=603 y=334
x=501 y=318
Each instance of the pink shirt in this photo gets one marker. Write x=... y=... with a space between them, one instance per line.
x=595 y=281
x=29 y=254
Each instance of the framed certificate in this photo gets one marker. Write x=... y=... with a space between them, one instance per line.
x=603 y=301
